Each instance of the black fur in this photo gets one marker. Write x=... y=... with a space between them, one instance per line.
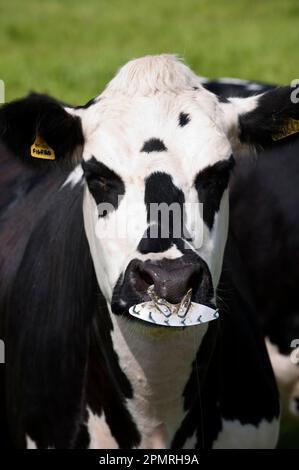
x=224 y=91
x=273 y=110
x=50 y=326
x=23 y=119
x=89 y=103
x=47 y=328
x=160 y=189
x=210 y=184
x=104 y=184
x=153 y=145
x=184 y=118
x=265 y=222
x=264 y=197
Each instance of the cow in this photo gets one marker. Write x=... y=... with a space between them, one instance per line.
x=80 y=371
x=264 y=224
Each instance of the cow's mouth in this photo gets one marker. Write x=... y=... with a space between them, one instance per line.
x=168 y=292
x=159 y=311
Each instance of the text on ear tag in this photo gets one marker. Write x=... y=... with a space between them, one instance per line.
x=40 y=149
x=291 y=127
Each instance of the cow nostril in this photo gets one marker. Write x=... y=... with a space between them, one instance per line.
x=194 y=280
x=141 y=279
x=171 y=281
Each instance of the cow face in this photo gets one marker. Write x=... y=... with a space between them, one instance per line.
x=156 y=150
x=157 y=169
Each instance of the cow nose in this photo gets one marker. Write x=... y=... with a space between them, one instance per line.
x=171 y=282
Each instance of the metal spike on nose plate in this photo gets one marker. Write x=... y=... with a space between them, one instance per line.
x=161 y=312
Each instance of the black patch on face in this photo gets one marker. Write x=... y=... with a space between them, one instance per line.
x=153 y=145
x=104 y=184
x=210 y=184
x=184 y=118
x=160 y=189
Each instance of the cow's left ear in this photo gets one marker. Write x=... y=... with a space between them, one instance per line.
x=38 y=128
x=262 y=121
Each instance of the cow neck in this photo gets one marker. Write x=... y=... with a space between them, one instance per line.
x=158 y=364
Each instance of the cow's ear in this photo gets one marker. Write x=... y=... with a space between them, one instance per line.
x=263 y=121
x=38 y=129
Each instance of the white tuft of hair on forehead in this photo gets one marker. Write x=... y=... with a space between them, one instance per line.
x=153 y=74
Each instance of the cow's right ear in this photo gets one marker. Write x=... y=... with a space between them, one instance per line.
x=38 y=128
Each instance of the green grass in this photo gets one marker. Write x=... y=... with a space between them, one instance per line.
x=71 y=48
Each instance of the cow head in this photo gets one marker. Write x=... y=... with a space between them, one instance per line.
x=156 y=150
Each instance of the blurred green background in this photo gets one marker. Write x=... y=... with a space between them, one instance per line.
x=71 y=48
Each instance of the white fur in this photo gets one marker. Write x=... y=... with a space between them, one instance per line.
x=74 y=178
x=99 y=432
x=30 y=444
x=235 y=435
x=287 y=376
x=158 y=364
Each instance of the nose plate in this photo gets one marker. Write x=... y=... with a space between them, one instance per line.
x=161 y=312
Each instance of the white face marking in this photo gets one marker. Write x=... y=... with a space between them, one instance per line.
x=235 y=435
x=129 y=112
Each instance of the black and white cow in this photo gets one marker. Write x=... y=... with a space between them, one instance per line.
x=80 y=371
x=264 y=222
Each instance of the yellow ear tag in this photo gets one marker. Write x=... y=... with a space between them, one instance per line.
x=291 y=127
x=40 y=149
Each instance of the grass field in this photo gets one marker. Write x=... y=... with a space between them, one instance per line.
x=71 y=48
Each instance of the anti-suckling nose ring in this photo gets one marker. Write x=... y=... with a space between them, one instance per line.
x=161 y=312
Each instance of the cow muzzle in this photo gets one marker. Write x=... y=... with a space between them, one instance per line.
x=174 y=292
x=161 y=312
